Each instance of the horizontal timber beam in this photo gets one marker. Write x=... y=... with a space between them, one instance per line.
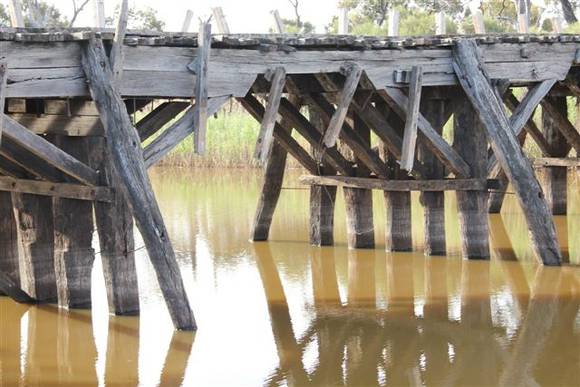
x=401 y=185
x=570 y=162
x=61 y=190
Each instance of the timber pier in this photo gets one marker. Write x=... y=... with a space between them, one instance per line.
x=73 y=158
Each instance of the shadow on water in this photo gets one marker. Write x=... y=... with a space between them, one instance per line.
x=284 y=313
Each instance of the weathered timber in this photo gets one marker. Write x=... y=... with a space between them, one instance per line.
x=10 y=168
x=556 y=178
x=353 y=74
x=322 y=198
x=433 y=202
x=360 y=230
x=8 y=240
x=34 y=222
x=506 y=148
x=187 y=21
x=59 y=190
x=410 y=132
x=127 y=159
x=266 y=134
x=521 y=115
x=562 y=123
x=398 y=220
x=177 y=132
x=314 y=138
x=3 y=77
x=480 y=184
x=16 y=16
x=469 y=140
x=352 y=138
x=568 y=162
x=271 y=186
x=159 y=117
x=73 y=237
x=116 y=239
x=33 y=165
x=60 y=124
x=200 y=109
x=530 y=127
x=48 y=152
x=281 y=134
x=117 y=52
x=9 y=286
x=221 y=21
x=444 y=152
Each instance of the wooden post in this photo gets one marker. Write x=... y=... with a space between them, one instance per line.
x=127 y=158
x=557 y=25
x=117 y=52
x=34 y=222
x=508 y=151
x=15 y=11
x=523 y=16
x=200 y=108
x=410 y=131
x=114 y=224
x=187 y=21
x=477 y=19
x=555 y=178
x=100 y=13
x=440 y=26
x=393 y=23
x=470 y=141
x=266 y=134
x=271 y=188
x=73 y=228
x=433 y=202
x=3 y=78
x=8 y=239
x=359 y=202
x=343 y=21
x=322 y=198
x=220 y=19
x=278 y=23
x=398 y=232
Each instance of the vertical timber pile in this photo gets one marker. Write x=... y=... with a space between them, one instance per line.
x=470 y=142
x=8 y=239
x=359 y=202
x=127 y=158
x=322 y=198
x=506 y=148
x=433 y=202
x=73 y=233
x=556 y=179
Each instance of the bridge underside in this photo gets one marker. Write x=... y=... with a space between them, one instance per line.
x=71 y=144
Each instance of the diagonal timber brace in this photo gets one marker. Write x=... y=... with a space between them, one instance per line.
x=508 y=151
x=127 y=158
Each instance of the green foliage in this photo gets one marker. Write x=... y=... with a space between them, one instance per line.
x=40 y=14
x=4 y=18
x=293 y=27
x=573 y=28
x=139 y=19
x=416 y=22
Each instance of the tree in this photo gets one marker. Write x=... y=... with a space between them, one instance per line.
x=4 y=18
x=39 y=14
x=568 y=10
x=78 y=7
x=139 y=19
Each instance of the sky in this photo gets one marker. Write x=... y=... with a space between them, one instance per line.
x=243 y=16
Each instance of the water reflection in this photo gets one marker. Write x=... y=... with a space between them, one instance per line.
x=285 y=313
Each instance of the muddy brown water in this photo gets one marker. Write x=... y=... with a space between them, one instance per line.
x=284 y=313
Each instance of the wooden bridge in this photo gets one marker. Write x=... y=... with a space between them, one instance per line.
x=70 y=144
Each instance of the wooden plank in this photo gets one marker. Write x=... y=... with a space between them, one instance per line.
x=177 y=132
x=158 y=118
x=9 y=286
x=470 y=141
x=200 y=109
x=353 y=74
x=562 y=123
x=266 y=134
x=34 y=166
x=410 y=132
x=117 y=52
x=314 y=138
x=506 y=147
x=60 y=190
x=73 y=238
x=352 y=138
x=100 y=14
x=8 y=241
x=48 y=152
x=278 y=23
x=281 y=134
x=81 y=126
x=3 y=77
x=398 y=185
x=127 y=158
x=444 y=152
x=114 y=224
x=221 y=21
x=187 y=21
x=570 y=162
